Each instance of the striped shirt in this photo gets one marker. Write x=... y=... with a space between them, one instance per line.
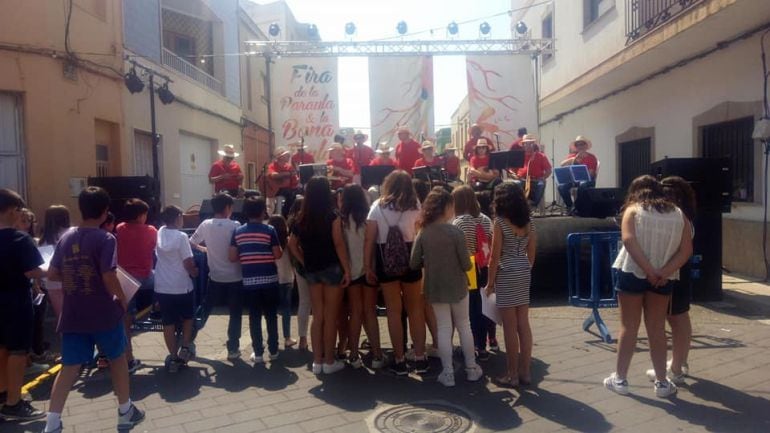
x=255 y=242
x=467 y=223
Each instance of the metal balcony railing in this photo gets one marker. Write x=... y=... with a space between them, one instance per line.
x=644 y=16
x=183 y=66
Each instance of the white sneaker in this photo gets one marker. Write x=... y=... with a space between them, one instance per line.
x=446 y=378
x=664 y=389
x=256 y=359
x=334 y=367
x=317 y=368
x=615 y=384
x=233 y=355
x=474 y=373
x=378 y=363
x=685 y=367
x=677 y=379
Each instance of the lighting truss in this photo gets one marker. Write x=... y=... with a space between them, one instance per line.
x=399 y=48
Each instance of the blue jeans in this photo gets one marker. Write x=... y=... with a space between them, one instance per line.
x=536 y=190
x=235 y=307
x=565 y=190
x=263 y=302
x=284 y=307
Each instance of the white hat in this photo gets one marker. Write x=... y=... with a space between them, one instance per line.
x=228 y=150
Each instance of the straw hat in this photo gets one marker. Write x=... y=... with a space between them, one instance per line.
x=451 y=147
x=583 y=139
x=381 y=150
x=427 y=144
x=360 y=134
x=280 y=152
x=228 y=150
x=529 y=138
x=483 y=142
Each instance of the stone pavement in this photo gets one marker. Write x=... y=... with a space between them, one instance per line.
x=729 y=390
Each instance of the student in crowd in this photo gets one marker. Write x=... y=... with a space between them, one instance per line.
x=173 y=286
x=477 y=229
x=213 y=237
x=390 y=232
x=93 y=309
x=303 y=288
x=319 y=245
x=28 y=223
x=19 y=263
x=440 y=248
x=255 y=245
x=109 y=223
x=485 y=205
x=136 y=251
x=362 y=297
x=678 y=191
x=514 y=243
x=657 y=241
x=285 y=278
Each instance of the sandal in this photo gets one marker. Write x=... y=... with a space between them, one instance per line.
x=289 y=342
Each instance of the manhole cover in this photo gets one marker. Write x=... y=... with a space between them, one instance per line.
x=423 y=417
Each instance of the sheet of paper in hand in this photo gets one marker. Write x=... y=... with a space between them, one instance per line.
x=489 y=307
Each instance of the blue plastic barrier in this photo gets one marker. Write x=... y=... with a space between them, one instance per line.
x=593 y=289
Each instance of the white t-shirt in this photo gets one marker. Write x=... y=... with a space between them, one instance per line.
x=385 y=217
x=285 y=270
x=172 y=249
x=216 y=233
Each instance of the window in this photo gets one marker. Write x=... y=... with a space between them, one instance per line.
x=547 y=33
x=181 y=45
x=733 y=140
x=102 y=160
x=594 y=9
x=12 y=173
x=635 y=157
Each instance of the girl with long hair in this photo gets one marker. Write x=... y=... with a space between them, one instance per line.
x=395 y=213
x=303 y=288
x=440 y=248
x=56 y=221
x=285 y=278
x=318 y=244
x=514 y=243
x=657 y=241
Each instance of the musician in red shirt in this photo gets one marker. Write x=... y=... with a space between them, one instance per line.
x=282 y=181
x=428 y=158
x=471 y=143
x=535 y=171
x=516 y=145
x=360 y=153
x=480 y=175
x=226 y=174
x=342 y=168
x=383 y=156
x=302 y=155
x=407 y=150
x=451 y=163
x=579 y=155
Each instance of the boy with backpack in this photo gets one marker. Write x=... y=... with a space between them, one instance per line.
x=173 y=286
x=93 y=308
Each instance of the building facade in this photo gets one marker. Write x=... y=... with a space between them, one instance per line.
x=650 y=80
x=461 y=125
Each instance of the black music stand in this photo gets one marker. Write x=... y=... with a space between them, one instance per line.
x=308 y=171
x=506 y=159
x=428 y=173
x=375 y=174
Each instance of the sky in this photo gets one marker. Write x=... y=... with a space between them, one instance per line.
x=377 y=19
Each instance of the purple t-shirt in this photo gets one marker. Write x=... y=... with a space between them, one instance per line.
x=82 y=256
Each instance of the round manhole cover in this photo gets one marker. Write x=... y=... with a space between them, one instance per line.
x=423 y=417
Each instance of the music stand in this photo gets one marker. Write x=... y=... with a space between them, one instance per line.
x=562 y=175
x=308 y=171
x=580 y=173
x=506 y=159
x=428 y=173
x=375 y=174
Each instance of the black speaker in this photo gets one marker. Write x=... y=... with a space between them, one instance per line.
x=599 y=202
x=122 y=188
x=711 y=179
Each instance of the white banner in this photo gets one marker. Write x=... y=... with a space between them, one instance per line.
x=400 y=94
x=501 y=95
x=305 y=104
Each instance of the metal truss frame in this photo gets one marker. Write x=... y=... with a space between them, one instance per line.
x=398 y=48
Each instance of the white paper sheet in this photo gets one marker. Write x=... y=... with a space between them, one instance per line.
x=128 y=283
x=47 y=253
x=489 y=307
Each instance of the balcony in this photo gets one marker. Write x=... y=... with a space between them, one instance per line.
x=644 y=16
x=191 y=71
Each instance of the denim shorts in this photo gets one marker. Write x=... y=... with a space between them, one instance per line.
x=78 y=348
x=633 y=285
x=331 y=276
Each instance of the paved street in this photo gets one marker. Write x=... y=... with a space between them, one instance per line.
x=729 y=390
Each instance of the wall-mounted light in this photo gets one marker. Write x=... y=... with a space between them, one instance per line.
x=134 y=84
x=165 y=95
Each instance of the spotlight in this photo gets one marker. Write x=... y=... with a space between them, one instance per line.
x=485 y=28
x=350 y=28
x=521 y=27
x=452 y=28
x=165 y=95
x=312 y=31
x=402 y=28
x=134 y=84
x=274 y=30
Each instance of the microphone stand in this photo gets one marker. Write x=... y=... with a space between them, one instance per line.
x=554 y=206
x=497 y=139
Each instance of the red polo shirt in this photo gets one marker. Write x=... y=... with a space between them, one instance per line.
x=305 y=158
x=479 y=162
x=536 y=164
x=516 y=145
x=589 y=161
x=219 y=168
x=406 y=154
x=276 y=167
x=383 y=161
x=360 y=155
x=452 y=165
x=470 y=147
x=342 y=180
x=421 y=162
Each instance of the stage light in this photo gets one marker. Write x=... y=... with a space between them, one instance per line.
x=350 y=28
x=134 y=84
x=312 y=31
x=485 y=28
x=274 y=30
x=452 y=28
x=521 y=27
x=165 y=95
x=402 y=28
